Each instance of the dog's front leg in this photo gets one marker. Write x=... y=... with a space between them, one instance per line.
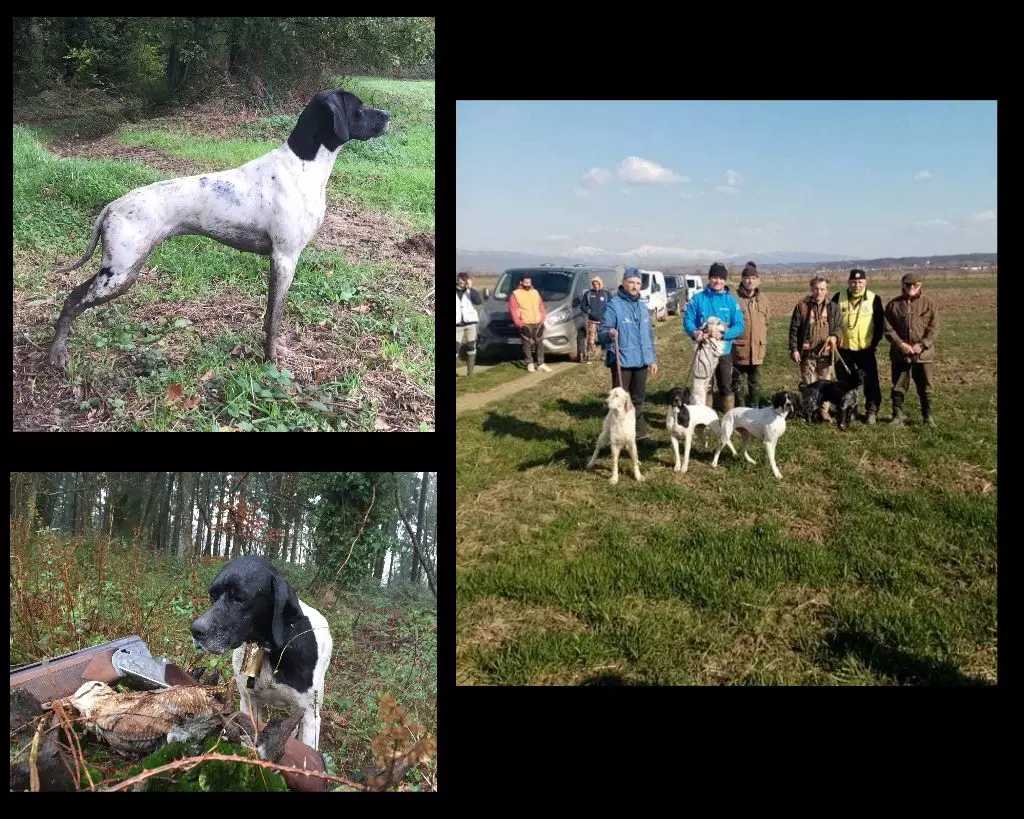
x=675 y=449
x=686 y=452
x=770 y=449
x=636 y=461
x=601 y=441
x=282 y=270
x=616 y=449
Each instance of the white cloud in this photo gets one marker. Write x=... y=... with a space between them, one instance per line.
x=596 y=177
x=636 y=169
x=984 y=216
x=726 y=189
x=557 y=237
x=922 y=175
x=627 y=191
x=732 y=178
x=936 y=223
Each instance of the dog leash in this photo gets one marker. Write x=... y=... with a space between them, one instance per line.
x=618 y=366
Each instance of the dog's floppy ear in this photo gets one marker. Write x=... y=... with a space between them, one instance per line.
x=628 y=403
x=687 y=395
x=286 y=609
x=683 y=416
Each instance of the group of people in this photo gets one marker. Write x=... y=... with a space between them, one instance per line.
x=829 y=338
x=730 y=332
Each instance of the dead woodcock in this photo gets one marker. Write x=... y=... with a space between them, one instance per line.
x=137 y=723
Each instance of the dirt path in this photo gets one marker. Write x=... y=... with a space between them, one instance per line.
x=475 y=400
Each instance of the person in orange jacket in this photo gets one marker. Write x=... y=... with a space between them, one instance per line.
x=527 y=309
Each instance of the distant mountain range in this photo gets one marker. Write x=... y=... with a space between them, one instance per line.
x=495 y=261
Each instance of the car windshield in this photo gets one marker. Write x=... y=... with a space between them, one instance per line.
x=671 y=284
x=553 y=285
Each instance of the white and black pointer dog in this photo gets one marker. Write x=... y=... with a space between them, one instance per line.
x=682 y=420
x=272 y=206
x=253 y=603
x=619 y=432
x=766 y=423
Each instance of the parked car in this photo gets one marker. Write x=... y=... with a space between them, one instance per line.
x=694 y=284
x=565 y=329
x=652 y=291
x=675 y=288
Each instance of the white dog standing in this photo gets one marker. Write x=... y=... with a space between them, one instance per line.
x=682 y=421
x=767 y=423
x=619 y=431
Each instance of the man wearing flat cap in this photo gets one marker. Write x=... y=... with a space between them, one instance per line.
x=861 y=324
x=911 y=325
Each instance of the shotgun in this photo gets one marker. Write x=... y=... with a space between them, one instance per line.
x=125 y=660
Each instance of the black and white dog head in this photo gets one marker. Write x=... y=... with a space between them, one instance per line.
x=331 y=119
x=783 y=403
x=250 y=602
x=678 y=398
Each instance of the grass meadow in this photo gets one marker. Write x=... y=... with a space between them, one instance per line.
x=873 y=562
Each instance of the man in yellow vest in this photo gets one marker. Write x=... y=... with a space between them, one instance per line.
x=861 y=324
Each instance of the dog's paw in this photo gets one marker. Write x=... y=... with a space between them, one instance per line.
x=613 y=480
x=677 y=468
x=639 y=478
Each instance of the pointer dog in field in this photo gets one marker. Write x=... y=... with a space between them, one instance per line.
x=272 y=206
x=619 y=432
x=682 y=420
x=767 y=423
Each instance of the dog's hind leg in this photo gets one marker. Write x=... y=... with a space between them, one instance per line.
x=107 y=284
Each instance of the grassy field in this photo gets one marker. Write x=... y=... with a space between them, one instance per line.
x=872 y=562
x=181 y=351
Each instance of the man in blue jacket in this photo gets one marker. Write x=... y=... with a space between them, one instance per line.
x=627 y=320
x=715 y=300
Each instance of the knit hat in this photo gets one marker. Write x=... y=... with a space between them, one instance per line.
x=750 y=269
x=857 y=273
x=718 y=270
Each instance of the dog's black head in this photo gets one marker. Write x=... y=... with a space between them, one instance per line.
x=783 y=403
x=331 y=119
x=679 y=397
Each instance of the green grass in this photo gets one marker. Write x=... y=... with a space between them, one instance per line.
x=366 y=316
x=872 y=562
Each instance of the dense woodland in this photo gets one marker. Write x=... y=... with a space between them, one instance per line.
x=348 y=526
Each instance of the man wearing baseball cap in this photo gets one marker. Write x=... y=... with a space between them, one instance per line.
x=592 y=304
x=911 y=325
x=715 y=301
x=861 y=324
x=627 y=320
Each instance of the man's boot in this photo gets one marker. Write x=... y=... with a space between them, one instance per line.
x=872 y=412
x=470 y=361
x=753 y=399
x=728 y=402
x=641 y=425
x=897 y=410
x=926 y=410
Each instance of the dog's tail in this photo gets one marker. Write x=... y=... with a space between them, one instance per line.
x=97 y=226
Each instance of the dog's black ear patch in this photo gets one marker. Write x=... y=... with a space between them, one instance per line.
x=683 y=416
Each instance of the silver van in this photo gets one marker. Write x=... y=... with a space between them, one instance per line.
x=565 y=328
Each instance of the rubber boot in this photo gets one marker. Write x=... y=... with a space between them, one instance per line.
x=897 y=410
x=641 y=425
x=728 y=402
x=926 y=410
x=470 y=361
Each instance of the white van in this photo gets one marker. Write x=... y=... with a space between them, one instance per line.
x=693 y=286
x=652 y=291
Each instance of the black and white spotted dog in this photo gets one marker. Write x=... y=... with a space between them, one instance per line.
x=683 y=418
x=766 y=423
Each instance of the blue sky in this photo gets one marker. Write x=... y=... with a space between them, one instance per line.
x=855 y=178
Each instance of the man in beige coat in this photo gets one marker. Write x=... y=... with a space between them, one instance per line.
x=748 y=350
